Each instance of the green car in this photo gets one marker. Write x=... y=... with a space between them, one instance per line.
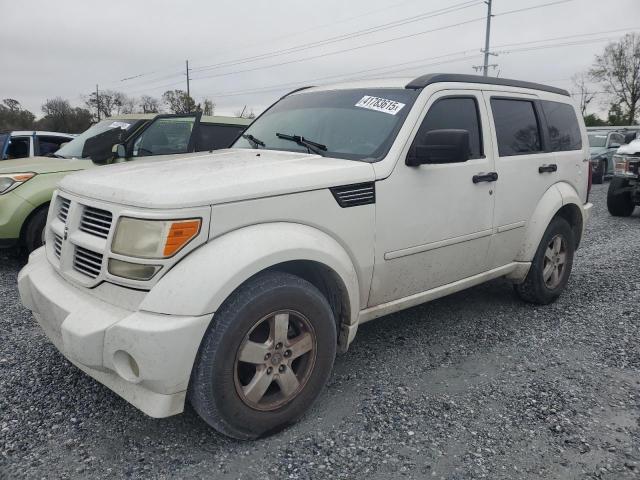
x=26 y=185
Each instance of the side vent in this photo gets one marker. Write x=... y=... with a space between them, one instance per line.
x=355 y=195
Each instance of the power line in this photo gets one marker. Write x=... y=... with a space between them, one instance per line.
x=462 y=52
x=343 y=37
x=368 y=45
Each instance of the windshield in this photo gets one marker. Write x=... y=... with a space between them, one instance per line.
x=597 y=140
x=74 y=148
x=358 y=124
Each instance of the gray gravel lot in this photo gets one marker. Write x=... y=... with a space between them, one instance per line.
x=476 y=385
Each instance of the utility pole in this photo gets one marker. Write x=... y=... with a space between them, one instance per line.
x=98 y=101
x=188 y=91
x=485 y=67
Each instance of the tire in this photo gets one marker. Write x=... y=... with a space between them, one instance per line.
x=34 y=230
x=619 y=203
x=598 y=174
x=537 y=288
x=220 y=387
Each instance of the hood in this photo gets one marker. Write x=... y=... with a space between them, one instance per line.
x=595 y=151
x=181 y=181
x=43 y=165
x=632 y=148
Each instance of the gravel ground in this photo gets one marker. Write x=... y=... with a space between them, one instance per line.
x=476 y=385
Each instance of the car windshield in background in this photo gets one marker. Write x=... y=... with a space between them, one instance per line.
x=358 y=124
x=74 y=148
x=597 y=140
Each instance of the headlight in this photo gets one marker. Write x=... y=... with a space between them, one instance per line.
x=153 y=238
x=13 y=180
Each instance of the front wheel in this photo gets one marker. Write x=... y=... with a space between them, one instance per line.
x=551 y=266
x=619 y=200
x=265 y=358
x=34 y=230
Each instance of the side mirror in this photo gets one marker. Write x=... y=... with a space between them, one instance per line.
x=440 y=146
x=119 y=151
x=614 y=145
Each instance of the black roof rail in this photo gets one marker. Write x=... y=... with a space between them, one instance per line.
x=431 y=78
x=295 y=91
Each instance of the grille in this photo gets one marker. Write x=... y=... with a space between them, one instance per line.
x=57 y=245
x=87 y=262
x=63 y=209
x=354 y=195
x=96 y=222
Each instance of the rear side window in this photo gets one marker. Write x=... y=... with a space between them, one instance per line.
x=18 y=147
x=457 y=113
x=214 y=137
x=517 y=127
x=563 y=128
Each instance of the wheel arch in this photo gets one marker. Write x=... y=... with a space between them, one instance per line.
x=28 y=218
x=561 y=199
x=206 y=277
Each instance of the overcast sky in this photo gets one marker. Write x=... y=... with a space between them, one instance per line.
x=64 y=48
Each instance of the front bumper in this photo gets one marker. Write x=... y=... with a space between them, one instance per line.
x=144 y=357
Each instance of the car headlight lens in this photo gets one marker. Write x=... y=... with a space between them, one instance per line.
x=13 y=180
x=153 y=238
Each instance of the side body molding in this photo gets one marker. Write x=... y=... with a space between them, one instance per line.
x=207 y=276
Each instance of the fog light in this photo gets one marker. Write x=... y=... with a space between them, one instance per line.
x=126 y=366
x=132 y=271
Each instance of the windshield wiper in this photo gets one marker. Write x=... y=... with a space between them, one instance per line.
x=256 y=141
x=314 y=147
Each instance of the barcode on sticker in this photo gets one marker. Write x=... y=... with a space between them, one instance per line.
x=380 y=104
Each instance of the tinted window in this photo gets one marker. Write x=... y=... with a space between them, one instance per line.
x=165 y=136
x=454 y=113
x=48 y=145
x=563 y=129
x=18 y=148
x=213 y=137
x=516 y=127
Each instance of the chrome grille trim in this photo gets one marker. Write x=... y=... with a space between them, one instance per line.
x=96 y=222
x=63 y=209
x=87 y=262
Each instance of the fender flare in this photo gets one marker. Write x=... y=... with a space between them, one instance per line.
x=556 y=197
x=205 y=278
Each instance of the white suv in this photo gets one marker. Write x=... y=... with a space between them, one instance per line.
x=231 y=278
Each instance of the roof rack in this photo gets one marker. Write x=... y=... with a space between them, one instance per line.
x=425 y=80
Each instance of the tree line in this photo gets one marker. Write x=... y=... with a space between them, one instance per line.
x=60 y=116
x=616 y=74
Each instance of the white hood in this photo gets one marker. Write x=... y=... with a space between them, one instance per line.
x=633 y=148
x=179 y=181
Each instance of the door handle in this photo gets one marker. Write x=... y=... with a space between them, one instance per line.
x=552 y=167
x=485 y=177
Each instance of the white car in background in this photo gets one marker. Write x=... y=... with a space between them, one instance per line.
x=31 y=143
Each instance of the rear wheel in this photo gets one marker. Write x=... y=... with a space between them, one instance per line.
x=265 y=358
x=619 y=200
x=551 y=266
x=34 y=230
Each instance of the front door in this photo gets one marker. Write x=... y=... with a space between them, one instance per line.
x=434 y=223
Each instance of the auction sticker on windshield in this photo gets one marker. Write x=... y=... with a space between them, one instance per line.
x=380 y=104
